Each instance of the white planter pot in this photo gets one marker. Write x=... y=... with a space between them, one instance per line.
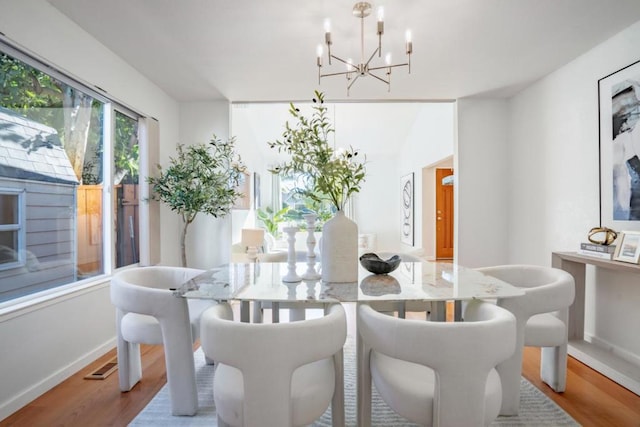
x=339 y=257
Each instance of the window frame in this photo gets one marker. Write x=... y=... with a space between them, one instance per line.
x=20 y=228
x=110 y=105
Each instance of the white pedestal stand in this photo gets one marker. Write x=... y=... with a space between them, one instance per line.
x=311 y=273
x=291 y=276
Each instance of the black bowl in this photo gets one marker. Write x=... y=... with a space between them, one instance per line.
x=377 y=265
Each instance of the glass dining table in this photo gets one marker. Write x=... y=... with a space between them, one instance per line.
x=433 y=282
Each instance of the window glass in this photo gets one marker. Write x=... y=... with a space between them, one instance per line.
x=8 y=247
x=53 y=133
x=126 y=187
x=8 y=209
x=299 y=204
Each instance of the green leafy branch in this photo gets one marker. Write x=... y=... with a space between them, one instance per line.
x=332 y=175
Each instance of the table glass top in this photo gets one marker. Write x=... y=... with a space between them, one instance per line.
x=411 y=281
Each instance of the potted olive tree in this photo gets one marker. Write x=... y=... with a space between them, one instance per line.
x=201 y=178
x=332 y=175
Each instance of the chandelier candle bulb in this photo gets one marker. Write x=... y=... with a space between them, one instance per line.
x=319 y=53
x=327 y=26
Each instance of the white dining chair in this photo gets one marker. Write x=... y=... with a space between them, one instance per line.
x=284 y=374
x=542 y=317
x=147 y=312
x=436 y=373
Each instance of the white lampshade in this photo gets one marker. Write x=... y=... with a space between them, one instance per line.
x=252 y=237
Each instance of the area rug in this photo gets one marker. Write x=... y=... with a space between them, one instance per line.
x=536 y=409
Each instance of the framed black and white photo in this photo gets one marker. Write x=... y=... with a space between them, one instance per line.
x=628 y=250
x=407 y=209
x=619 y=111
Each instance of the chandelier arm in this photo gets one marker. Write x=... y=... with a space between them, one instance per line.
x=341 y=73
x=372 y=56
x=341 y=60
x=377 y=77
x=353 y=81
x=406 y=64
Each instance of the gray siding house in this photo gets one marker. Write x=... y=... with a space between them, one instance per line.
x=37 y=208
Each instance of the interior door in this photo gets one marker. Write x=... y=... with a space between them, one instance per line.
x=444 y=215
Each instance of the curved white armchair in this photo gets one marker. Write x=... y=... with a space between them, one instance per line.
x=436 y=373
x=542 y=316
x=283 y=374
x=147 y=312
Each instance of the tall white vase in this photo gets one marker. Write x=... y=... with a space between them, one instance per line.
x=339 y=250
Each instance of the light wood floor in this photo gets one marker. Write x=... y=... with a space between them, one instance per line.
x=591 y=399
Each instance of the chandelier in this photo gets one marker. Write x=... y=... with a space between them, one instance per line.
x=365 y=67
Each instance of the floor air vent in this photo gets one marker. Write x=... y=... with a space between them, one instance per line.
x=104 y=371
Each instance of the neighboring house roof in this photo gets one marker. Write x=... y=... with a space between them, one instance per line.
x=31 y=150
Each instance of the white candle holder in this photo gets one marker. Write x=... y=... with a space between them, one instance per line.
x=311 y=273
x=291 y=275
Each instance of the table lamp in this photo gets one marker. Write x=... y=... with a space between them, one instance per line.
x=252 y=238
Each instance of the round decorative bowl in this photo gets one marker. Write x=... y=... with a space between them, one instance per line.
x=376 y=265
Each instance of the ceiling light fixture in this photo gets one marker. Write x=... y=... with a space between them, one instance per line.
x=354 y=71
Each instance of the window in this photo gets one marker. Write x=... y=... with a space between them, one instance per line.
x=68 y=168
x=11 y=227
x=125 y=181
x=298 y=204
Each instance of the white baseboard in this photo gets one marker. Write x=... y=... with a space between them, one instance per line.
x=36 y=390
x=620 y=352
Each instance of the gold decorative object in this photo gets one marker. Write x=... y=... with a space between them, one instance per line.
x=609 y=236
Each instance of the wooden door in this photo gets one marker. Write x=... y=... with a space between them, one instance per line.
x=444 y=215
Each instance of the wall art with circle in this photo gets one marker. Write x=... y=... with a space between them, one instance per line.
x=407 y=209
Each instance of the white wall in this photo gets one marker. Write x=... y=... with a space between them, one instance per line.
x=376 y=207
x=554 y=193
x=481 y=205
x=44 y=343
x=208 y=239
x=429 y=141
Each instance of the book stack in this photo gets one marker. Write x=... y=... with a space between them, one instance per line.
x=597 y=251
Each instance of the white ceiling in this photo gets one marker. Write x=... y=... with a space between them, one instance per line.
x=264 y=50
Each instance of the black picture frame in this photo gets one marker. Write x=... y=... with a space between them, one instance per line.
x=618 y=114
x=407 y=209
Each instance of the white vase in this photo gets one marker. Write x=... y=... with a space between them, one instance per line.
x=339 y=257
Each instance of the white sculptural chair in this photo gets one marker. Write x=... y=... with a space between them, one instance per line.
x=542 y=317
x=436 y=373
x=147 y=312
x=283 y=374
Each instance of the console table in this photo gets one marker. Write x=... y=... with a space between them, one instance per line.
x=602 y=360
